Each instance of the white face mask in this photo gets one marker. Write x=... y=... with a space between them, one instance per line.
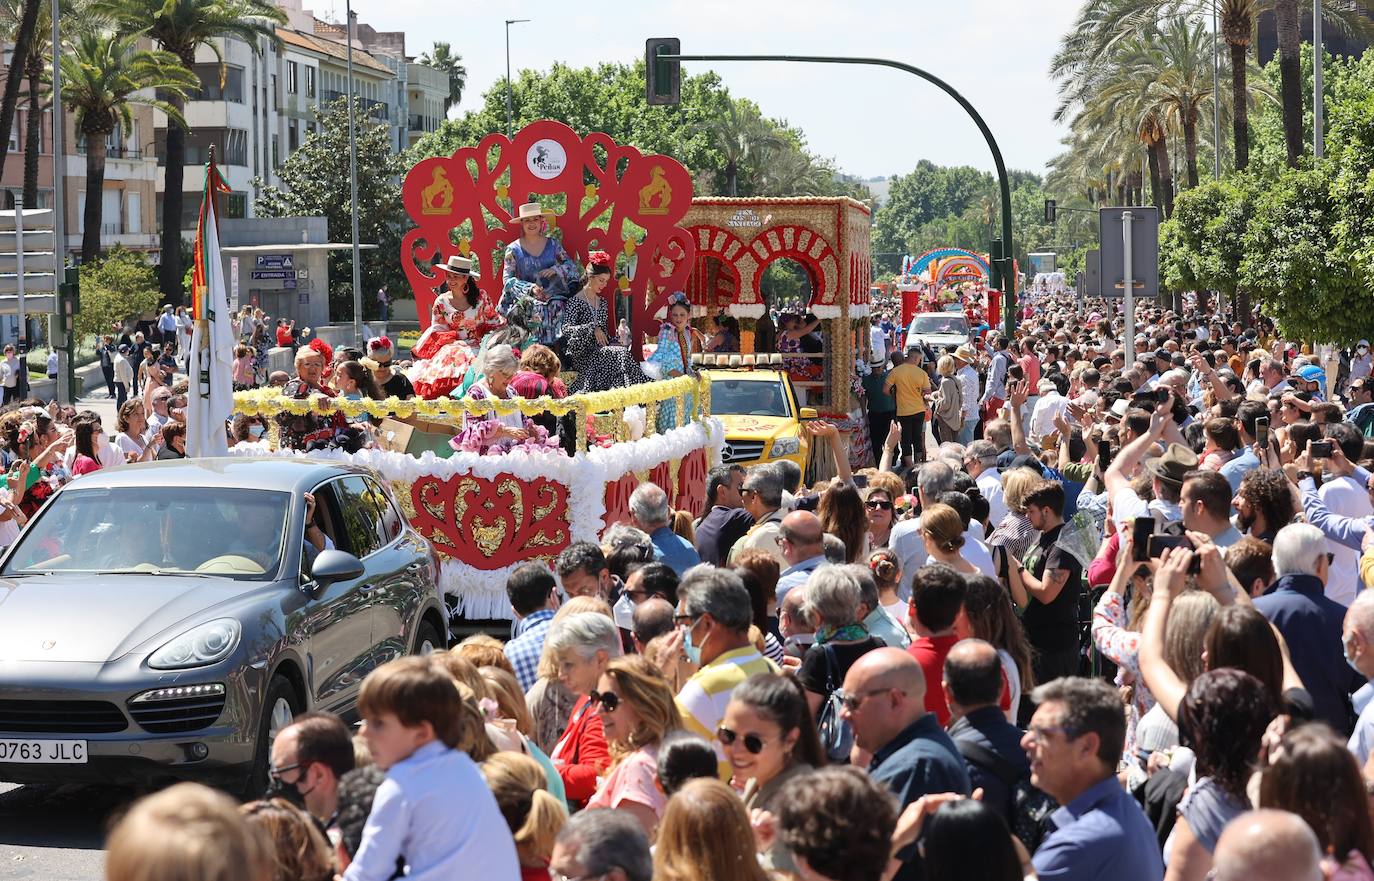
x=624 y=612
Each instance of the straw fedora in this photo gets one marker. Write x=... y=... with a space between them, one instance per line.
x=532 y=211
x=1177 y=461
x=965 y=354
x=458 y=265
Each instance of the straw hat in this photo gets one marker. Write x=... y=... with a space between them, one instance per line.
x=532 y=211
x=459 y=265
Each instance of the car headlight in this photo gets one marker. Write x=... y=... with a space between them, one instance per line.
x=206 y=644
x=785 y=446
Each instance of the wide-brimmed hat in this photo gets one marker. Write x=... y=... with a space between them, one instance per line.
x=1177 y=461
x=531 y=211
x=965 y=353
x=459 y=265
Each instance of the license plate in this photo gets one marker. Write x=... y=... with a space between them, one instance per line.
x=43 y=752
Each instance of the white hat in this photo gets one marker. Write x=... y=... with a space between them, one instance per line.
x=459 y=265
x=532 y=211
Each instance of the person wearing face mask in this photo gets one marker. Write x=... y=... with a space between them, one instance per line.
x=308 y=758
x=713 y=617
x=769 y=737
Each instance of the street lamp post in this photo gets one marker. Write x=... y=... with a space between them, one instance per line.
x=510 y=115
x=1216 y=98
x=353 y=186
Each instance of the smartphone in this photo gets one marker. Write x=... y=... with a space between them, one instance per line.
x=1321 y=449
x=861 y=481
x=1162 y=394
x=1262 y=432
x=1104 y=455
x=1158 y=543
x=1141 y=533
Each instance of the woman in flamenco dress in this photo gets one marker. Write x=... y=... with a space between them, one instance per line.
x=459 y=319
x=538 y=271
x=677 y=342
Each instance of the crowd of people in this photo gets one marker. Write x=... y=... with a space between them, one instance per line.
x=1105 y=621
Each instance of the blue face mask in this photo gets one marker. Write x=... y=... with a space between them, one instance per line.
x=693 y=652
x=256 y=430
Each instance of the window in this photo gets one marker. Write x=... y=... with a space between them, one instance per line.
x=310 y=82
x=135 y=223
x=276 y=152
x=390 y=524
x=292 y=84
x=360 y=527
x=111 y=212
x=292 y=137
x=235 y=206
x=210 y=87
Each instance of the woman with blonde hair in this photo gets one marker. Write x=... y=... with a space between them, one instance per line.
x=302 y=852
x=637 y=711
x=682 y=525
x=705 y=836
x=474 y=740
x=943 y=532
x=948 y=401
x=187 y=832
x=533 y=814
x=1014 y=535
x=482 y=650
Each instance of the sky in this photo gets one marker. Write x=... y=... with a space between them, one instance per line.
x=872 y=121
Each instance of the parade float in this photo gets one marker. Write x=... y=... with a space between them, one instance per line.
x=487 y=514
x=945 y=278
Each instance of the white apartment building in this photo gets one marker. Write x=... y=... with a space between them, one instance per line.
x=426 y=90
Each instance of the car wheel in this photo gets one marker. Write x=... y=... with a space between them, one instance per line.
x=428 y=640
x=279 y=708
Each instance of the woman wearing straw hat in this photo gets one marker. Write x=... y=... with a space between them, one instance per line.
x=537 y=266
x=459 y=319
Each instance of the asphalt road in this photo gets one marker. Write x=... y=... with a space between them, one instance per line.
x=56 y=833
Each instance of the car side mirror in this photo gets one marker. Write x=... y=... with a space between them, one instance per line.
x=809 y=413
x=332 y=565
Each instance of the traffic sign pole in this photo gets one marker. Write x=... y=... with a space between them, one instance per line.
x=1129 y=342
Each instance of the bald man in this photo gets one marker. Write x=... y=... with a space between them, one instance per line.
x=1267 y=845
x=1357 y=639
x=802 y=541
x=990 y=744
x=884 y=698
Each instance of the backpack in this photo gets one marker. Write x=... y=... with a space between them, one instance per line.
x=837 y=737
x=1028 y=813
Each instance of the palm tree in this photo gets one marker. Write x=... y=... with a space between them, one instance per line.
x=443 y=58
x=103 y=75
x=791 y=171
x=739 y=135
x=23 y=35
x=1348 y=16
x=181 y=27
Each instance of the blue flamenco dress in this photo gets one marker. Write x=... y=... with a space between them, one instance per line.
x=521 y=274
x=673 y=355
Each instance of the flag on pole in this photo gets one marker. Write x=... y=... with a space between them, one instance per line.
x=211 y=401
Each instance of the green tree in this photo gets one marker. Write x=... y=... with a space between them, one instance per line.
x=103 y=75
x=1201 y=247
x=741 y=134
x=181 y=27
x=315 y=182
x=114 y=287
x=444 y=58
x=23 y=32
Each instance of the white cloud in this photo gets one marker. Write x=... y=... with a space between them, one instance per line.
x=872 y=121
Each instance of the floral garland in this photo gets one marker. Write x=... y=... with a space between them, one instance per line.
x=481 y=593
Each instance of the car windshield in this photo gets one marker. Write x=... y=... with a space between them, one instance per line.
x=231 y=533
x=742 y=397
x=939 y=324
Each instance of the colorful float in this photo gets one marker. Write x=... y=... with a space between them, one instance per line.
x=943 y=277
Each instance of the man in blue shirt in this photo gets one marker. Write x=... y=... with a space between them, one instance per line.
x=802 y=541
x=1246 y=415
x=650 y=511
x=534 y=600
x=884 y=698
x=1074 y=743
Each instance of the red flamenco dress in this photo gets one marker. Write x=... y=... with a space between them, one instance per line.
x=449 y=345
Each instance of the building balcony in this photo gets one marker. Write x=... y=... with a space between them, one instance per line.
x=112 y=152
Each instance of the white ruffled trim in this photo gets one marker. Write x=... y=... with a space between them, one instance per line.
x=481 y=593
x=745 y=310
x=825 y=311
x=858 y=310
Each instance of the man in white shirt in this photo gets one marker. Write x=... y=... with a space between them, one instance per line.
x=1357 y=642
x=1344 y=495
x=167 y=324
x=9 y=375
x=1051 y=406
x=877 y=341
x=52 y=364
x=123 y=375
x=968 y=386
x=980 y=461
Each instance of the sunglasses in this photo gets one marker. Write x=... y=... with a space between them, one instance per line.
x=878 y=505
x=608 y=700
x=752 y=742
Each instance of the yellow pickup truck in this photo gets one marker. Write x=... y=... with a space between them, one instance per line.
x=758 y=406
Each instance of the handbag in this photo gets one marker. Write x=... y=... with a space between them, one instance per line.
x=836 y=734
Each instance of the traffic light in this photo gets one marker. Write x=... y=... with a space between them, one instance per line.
x=70 y=294
x=662 y=77
x=1049 y=211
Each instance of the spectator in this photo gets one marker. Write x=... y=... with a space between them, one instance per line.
x=601 y=844
x=934 y=479
x=532 y=813
x=797 y=632
x=769 y=736
x=759 y=572
x=1264 y=504
x=725 y=521
x=582 y=571
x=514 y=724
x=887 y=573
x=989 y=743
x=173 y=440
x=871 y=614
x=649 y=510
x=800 y=537
x=549 y=702
x=187 y=831
x=713 y=618
x=937 y=595
x=652 y=618
x=943 y=534
x=1206 y=503
x=832 y=605
x=965 y=838
x=1268 y=845
x=885 y=702
x=583 y=645
x=682 y=757
x=534 y=599
x=1357 y=642
x=980 y=461
x=815 y=821
x=881 y=515
x=841 y=513
x=1047 y=588
x=1310 y=622
x=309 y=757
x=705 y=836
x=989 y=616
x=415 y=730
x=637 y=712
x=1313 y=775
x=302 y=853
x=1074 y=745
x=648 y=581
x=911 y=385
x=357 y=789
x=762 y=497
